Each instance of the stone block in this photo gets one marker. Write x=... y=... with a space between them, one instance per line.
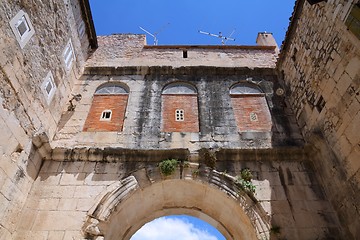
x=72 y=179
x=353 y=67
x=5 y=234
x=56 y=235
x=30 y=235
x=50 y=167
x=353 y=162
x=280 y=206
x=74 y=235
x=85 y=204
x=48 y=204
x=26 y=219
x=58 y=221
x=48 y=191
x=88 y=191
x=343 y=83
x=67 y=204
x=351 y=131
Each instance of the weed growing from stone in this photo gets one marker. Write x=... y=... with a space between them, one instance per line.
x=168 y=166
x=244 y=181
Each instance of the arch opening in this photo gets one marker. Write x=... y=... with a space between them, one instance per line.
x=179 y=88
x=112 y=88
x=178 y=227
x=131 y=204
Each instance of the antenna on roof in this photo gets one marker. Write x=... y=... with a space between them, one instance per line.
x=223 y=38
x=156 y=33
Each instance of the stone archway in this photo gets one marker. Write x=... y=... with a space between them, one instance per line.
x=140 y=198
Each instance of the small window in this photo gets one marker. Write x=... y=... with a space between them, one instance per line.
x=179 y=88
x=81 y=29
x=245 y=88
x=253 y=117
x=111 y=88
x=68 y=55
x=106 y=115
x=179 y=115
x=48 y=87
x=22 y=28
x=185 y=55
x=353 y=20
x=320 y=104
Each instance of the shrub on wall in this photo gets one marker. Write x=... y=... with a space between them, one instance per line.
x=244 y=181
x=168 y=166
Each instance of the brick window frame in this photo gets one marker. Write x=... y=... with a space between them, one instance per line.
x=108 y=108
x=179 y=98
x=250 y=108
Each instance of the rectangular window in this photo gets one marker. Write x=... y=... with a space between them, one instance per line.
x=179 y=115
x=68 y=55
x=22 y=28
x=48 y=87
x=185 y=55
x=320 y=104
x=353 y=20
x=81 y=29
x=105 y=115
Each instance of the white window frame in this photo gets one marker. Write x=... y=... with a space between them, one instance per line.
x=22 y=18
x=103 y=117
x=81 y=29
x=48 y=81
x=179 y=115
x=68 y=55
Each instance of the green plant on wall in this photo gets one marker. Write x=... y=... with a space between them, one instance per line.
x=246 y=174
x=244 y=181
x=168 y=166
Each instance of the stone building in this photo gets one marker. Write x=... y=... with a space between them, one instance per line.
x=86 y=121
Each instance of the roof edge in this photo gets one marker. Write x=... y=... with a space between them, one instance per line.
x=86 y=11
x=291 y=29
x=185 y=47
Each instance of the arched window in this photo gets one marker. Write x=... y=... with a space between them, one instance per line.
x=180 y=108
x=250 y=108
x=107 y=112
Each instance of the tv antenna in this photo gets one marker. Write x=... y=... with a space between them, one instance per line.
x=156 y=33
x=223 y=38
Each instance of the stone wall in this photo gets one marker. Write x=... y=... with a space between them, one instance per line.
x=69 y=198
x=131 y=50
x=320 y=66
x=24 y=107
x=143 y=118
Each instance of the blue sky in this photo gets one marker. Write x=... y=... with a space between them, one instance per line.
x=177 y=227
x=178 y=21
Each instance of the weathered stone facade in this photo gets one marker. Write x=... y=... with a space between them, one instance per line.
x=79 y=163
x=24 y=110
x=320 y=67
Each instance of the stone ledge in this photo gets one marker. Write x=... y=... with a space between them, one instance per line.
x=169 y=70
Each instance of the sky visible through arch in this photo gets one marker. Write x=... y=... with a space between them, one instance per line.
x=177 y=227
x=178 y=22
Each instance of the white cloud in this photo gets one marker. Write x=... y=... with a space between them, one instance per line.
x=167 y=228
